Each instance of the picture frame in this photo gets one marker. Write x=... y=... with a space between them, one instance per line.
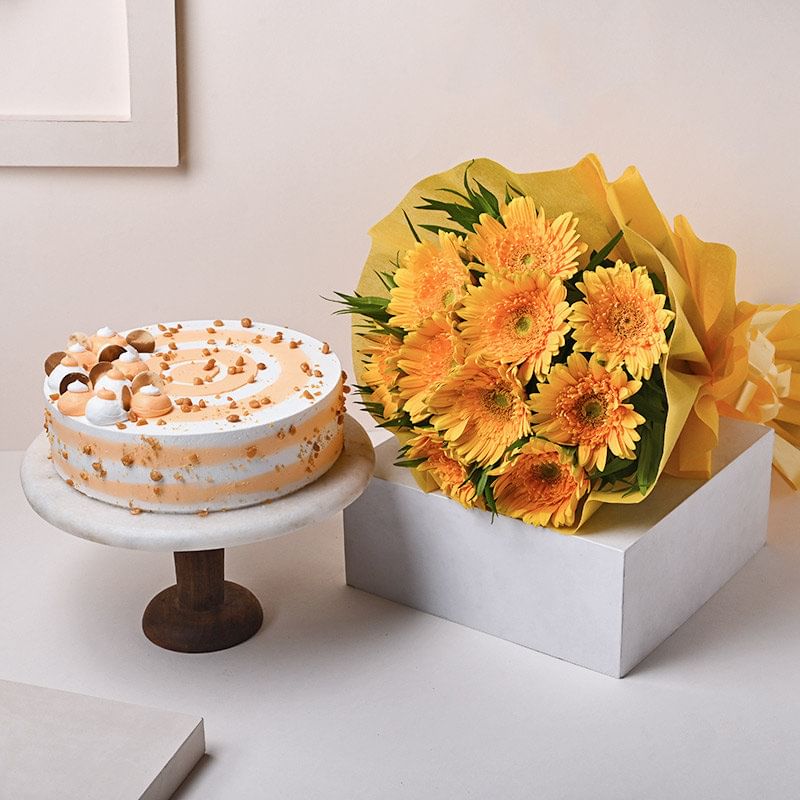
x=148 y=137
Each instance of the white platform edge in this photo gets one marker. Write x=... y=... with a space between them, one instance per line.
x=79 y=747
x=65 y=508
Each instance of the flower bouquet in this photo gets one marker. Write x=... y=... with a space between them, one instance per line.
x=545 y=343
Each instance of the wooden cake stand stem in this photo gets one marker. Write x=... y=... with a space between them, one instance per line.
x=202 y=612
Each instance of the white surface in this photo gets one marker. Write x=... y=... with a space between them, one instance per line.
x=64 y=60
x=304 y=123
x=603 y=599
x=101 y=522
x=342 y=695
x=144 y=136
x=66 y=746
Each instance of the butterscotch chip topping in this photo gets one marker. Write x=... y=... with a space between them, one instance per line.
x=317 y=373
x=209 y=364
x=127 y=460
x=172 y=346
x=211 y=330
x=239 y=361
x=308 y=394
x=155 y=475
x=218 y=323
x=231 y=370
x=203 y=513
x=306 y=367
x=294 y=345
x=161 y=422
x=201 y=404
x=121 y=425
x=197 y=381
x=140 y=422
x=135 y=510
x=186 y=408
x=54 y=396
x=233 y=404
x=254 y=404
x=162 y=327
x=247 y=322
x=206 y=351
x=251 y=451
x=277 y=338
x=261 y=365
x=164 y=365
x=326 y=348
x=70 y=482
x=233 y=418
x=133 y=416
x=87 y=449
x=292 y=430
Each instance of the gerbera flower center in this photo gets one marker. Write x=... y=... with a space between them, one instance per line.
x=547 y=472
x=592 y=409
x=628 y=319
x=523 y=325
x=497 y=400
x=525 y=253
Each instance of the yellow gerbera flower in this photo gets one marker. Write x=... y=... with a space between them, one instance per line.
x=582 y=404
x=516 y=321
x=427 y=357
x=431 y=279
x=540 y=485
x=479 y=411
x=623 y=319
x=526 y=241
x=449 y=474
x=381 y=352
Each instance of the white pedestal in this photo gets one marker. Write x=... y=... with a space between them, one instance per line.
x=69 y=746
x=603 y=599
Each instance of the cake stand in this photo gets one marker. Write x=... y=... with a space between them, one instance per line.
x=202 y=612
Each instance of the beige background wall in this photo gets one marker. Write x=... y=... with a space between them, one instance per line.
x=303 y=123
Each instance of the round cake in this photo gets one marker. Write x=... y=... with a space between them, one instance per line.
x=193 y=416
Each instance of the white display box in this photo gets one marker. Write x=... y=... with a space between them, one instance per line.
x=603 y=599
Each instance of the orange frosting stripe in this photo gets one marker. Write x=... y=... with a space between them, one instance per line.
x=152 y=452
x=187 y=492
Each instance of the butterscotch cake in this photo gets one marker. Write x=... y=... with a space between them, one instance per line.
x=193 y=416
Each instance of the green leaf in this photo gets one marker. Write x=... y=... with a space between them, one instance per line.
x=516 y=445
x=465 y=216
x=488 y=496
x=411 y=227
x=387 y=279
x=602 y=254
x=490 y=199
x=411 y=463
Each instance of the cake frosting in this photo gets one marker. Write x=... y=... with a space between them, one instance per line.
x=194 y=416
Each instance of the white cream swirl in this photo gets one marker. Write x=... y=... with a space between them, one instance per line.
x=100 y=411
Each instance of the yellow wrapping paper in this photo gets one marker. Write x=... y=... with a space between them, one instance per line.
x=712 y=366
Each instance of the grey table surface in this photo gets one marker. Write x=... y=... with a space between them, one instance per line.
x=345 y=695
